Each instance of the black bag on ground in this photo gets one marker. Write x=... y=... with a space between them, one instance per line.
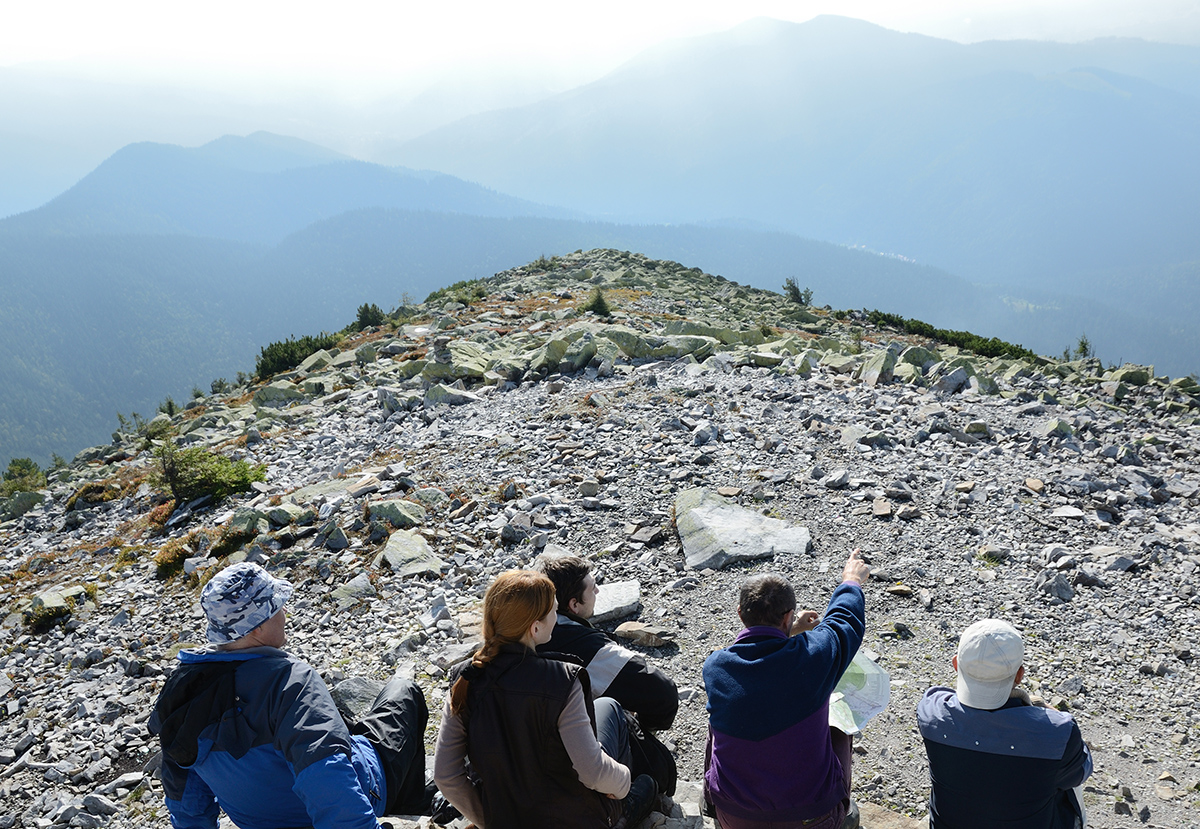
x=649 y=756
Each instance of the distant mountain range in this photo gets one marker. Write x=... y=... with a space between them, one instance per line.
x=255 y=189
x=1000 y=161
x=1044 y=190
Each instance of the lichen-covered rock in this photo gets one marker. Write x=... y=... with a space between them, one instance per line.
x=399 y=513
x=715 y=533
x=409 y=554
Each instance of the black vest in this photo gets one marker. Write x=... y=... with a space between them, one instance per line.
x=526 y=777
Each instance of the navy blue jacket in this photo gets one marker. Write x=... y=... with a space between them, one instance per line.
x=281 y=756
x=1012 y=768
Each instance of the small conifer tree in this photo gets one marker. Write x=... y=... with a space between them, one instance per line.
x=597 y=304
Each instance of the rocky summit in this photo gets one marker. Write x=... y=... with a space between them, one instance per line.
x=695 y=432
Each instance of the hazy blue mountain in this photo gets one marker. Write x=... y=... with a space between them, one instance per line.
x=257 y=189
x=92 y=325
x=1012 y=162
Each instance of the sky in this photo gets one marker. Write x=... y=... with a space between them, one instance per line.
x=367 y=48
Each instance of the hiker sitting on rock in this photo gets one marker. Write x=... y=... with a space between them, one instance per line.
x=995 y=759
x=614 y=671
x=542 y=755
x=250 y=729
x=774 y=761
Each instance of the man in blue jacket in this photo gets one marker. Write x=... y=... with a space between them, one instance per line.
x=247 y=728
x=774 y=759
x=995 y=759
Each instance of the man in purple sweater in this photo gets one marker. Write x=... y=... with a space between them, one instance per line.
x=775 y=762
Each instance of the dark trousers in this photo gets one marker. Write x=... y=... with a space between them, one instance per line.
x=395 y=725
x=612 y=731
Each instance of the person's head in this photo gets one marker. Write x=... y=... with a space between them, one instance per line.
x=988 y=662
x=574 y=584
x=243 y=600
x=766 y=600
x=518 y=607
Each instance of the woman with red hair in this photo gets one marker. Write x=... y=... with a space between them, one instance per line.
x=541 y=753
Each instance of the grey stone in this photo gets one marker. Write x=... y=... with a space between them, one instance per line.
x=98 y=804
x=246 y=521
x=280 y=392
x=952 y=381
x=359 y=587
x=715 y=532
x=878 y=369
x=836 y=479
x=439 y=394
x=617 y=600
x=400 y=514
x=354 y=696
x=650 y=636
x=409 y=554
x=1054 y=584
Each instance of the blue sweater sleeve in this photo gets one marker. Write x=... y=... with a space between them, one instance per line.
x=840 y=633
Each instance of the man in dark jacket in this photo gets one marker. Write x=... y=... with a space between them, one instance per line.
x=995 y=759
x=247 y=728
x=614 y=671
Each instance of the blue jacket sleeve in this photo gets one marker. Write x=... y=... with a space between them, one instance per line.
x=1076 y=761
x=316 y=744
x=333 y=797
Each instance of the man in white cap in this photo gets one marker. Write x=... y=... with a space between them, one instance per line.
x=248 y=728
x=995 y=759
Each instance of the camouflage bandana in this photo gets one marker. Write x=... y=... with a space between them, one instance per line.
x=239 y=599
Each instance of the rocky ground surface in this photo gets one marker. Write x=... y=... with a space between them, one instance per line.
x=408 y=469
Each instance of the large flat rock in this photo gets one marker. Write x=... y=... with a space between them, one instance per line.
x=409 y=554
x=715 y=532
x=617 y=600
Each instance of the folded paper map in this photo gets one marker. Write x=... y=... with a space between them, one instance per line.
x=861 y=693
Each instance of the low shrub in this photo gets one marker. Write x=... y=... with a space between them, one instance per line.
x=285 y=355
x=792 y=291
x=465 y=291
x=370 y=315
x=22 y=475
x=986 y=347
x=171 y=556
x=196 y=471
x=597 y=304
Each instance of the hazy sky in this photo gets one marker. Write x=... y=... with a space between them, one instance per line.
x=369 y=45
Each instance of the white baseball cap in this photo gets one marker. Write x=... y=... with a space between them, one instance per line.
x=990 y=653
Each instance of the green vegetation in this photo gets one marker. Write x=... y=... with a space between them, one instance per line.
x=1083 y=348
x=369 y=316
x=990 y=347
x=597 y=304
x=168 y=406
x=285 y=355
x=465 y=291
x=792 y=291
x=22 y=475
x=171 y=556
x=195 y=471
x=220 y=386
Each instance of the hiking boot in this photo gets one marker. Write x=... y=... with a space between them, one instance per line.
x=851 y=819
x=643 y=793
